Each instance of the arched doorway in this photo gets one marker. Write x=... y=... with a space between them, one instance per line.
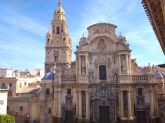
x=103 y=105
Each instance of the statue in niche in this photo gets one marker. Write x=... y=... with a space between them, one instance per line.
x=140 y=102
x=101 y=45
x=90 y=58
x=123 y=63
x=103 y=91
x=115 y=77
x=114 y=57
x=110 y=74
x=68 y=100
x=91 y=76
x=83 y=65
x=108 y=60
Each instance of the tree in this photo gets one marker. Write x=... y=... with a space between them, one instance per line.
x=7 y=119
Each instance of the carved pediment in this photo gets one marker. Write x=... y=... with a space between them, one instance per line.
x=102 y=44
x=101 y=29
x=103 y=60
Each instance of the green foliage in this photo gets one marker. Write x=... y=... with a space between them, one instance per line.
x=7 y=119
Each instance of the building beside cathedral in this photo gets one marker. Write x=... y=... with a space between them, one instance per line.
x=103 y=85
x=155 y=10
x=3 y=100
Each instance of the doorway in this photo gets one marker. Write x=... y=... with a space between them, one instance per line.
x=103 y=114
x=141 y=117
x=69 y=116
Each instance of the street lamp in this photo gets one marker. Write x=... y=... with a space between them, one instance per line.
x=27 y=120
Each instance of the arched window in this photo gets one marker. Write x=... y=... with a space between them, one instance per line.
x=58 y=30
x=102 y=72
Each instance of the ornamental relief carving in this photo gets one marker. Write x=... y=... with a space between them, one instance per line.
x=103 y=60
x=101 y=45
x=101 y=29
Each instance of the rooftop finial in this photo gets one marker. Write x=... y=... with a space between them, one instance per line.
x=59 y=3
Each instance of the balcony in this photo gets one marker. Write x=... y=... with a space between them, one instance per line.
x=140 y=78
x=137 y=78
x=68 y=78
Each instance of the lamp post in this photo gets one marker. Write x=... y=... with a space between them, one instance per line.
x=27 y=118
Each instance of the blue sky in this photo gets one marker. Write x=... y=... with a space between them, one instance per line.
x=24 y=23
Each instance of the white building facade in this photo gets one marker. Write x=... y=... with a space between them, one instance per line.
x=3 y=101
x=6 y=73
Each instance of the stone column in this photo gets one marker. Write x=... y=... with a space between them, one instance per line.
x=129 y=65
x=59 y=103
x=56 y=101
x=127 y=68
x=132 y=103
x=129 y=105
x=151 y=104
x=121 y=105
x=77 y=104
x=97 y=73
x=79 y=64
x=86 y=63
x=119 y=67
x=80 y=106
x=108 y=73
x=87 y=105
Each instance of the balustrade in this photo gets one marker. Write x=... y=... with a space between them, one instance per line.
x=68 y=78
x=136 y=78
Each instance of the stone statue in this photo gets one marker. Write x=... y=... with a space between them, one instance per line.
x=83 y=65
x=91 y=77
x=123 y=63
x=101 y=45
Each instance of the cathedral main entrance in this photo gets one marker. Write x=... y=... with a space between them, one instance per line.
x=103 y=104
x=69 y=116
x=141 y=117
x=103 y=114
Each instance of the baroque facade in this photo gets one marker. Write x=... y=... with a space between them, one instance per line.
x=103 y=85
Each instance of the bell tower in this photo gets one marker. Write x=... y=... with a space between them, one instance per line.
x=58 y=52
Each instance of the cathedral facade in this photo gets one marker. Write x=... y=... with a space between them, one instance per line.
x=103 y=85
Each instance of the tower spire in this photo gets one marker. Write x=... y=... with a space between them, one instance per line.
x=59 y=3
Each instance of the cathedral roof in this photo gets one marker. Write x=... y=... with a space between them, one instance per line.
x=162 y=65
x=49 y=76
x=109 y=24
